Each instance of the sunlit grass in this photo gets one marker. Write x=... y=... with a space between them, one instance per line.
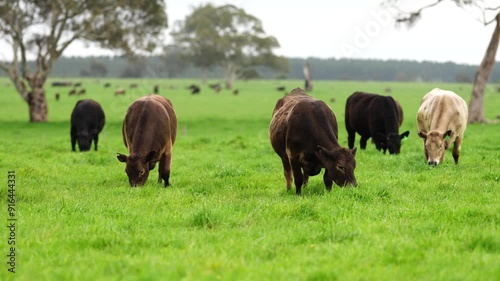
x=227 y=214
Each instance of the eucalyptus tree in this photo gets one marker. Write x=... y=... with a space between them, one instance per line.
x=41 y=31
x=487 y=12
x=228 y=37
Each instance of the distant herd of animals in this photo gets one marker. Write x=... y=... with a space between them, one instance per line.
x=120 y=91
x=303 y=132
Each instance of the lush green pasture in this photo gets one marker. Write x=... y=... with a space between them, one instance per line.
x=227 y=214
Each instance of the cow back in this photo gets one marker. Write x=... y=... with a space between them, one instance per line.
x=442 y=110
x=88 y=115
x=150 y=124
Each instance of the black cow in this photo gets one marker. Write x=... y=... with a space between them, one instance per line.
x=375 y=116
x=195 y=89
x=87 y=121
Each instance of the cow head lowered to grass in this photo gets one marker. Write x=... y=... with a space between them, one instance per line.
x=149 y=131
x=442 y=114
x=303 y=132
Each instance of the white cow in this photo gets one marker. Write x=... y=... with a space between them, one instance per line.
x=441 y=114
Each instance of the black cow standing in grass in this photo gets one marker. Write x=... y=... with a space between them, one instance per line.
x=377 y=117
x=87 y=121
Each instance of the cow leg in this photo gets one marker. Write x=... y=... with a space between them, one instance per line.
x=362 y=142
x=287 y=171
x=351 y=138
x=306 y=176
x=73 y=138
x=328 y=182
x=164 y=168
x=456 y=149
x=298 y=177
x=96 y=139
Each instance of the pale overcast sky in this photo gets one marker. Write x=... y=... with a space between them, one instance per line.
x=356 y=29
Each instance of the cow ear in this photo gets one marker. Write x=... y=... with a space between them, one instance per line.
x=447 y=135
x=121 y=157
x=322 y=152
x=404 y=135
x=422 y=135
x=151 y=155
x=353 y=151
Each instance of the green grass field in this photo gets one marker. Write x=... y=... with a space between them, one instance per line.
x=227 y=214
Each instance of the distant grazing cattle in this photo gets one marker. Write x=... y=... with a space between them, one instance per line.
x=156 y=89
x=149 y=132
x=134 y=85
x=388 y=90
x=72 y=92
x=216 y=87
x=57 y=96
x=107 y=85
x=78 y=84
x=195 y=89
x=303 y=132
x=377 y=117
x=87 y=121
x=119 y=91
x=236 y=92
x=442 y=114
x=281 y=88
x=81 y=92
x=61 y=83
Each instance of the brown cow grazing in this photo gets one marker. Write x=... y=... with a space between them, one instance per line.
x=134 y=85
x=216 y=87
x=149 y=132
x=156 y=89
x=377 y=117
x=87 y=121
x=441 y=114
x=303 y=132
x=72 y=92
x=81 y=92
x=57 y=96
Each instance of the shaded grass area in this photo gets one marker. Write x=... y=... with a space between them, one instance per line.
x=227 y=214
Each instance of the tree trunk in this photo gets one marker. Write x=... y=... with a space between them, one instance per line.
x=476 y=105
x=204 y=73
x=37 y=103
x=229 y=75
x=308 y=87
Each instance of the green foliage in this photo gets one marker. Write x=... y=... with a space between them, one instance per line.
x=322 y=69
x=227 y=215
x=226 y=36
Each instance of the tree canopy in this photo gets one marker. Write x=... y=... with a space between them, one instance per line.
x=226 y=36
x=44 y=29
x=487 y=12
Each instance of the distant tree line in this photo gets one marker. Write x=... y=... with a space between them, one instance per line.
x=321 y=69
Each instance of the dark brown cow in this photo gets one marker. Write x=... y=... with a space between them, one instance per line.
x=149 y=132
x=195 y=89
x=303 y=132
x=87 y=121
x=377 y=117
